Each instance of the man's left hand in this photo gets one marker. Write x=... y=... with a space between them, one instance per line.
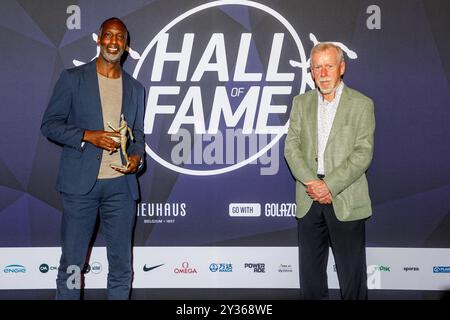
x=133 y=165
x=317 y=189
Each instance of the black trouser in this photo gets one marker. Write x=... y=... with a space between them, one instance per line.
x=320 y=229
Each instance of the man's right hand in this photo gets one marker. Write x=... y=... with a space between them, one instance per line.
x=102 y=139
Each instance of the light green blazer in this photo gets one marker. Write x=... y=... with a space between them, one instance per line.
x=348 y=152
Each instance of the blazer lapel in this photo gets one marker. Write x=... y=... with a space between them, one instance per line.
x=341 y=114
x=313 y=119
x=93 y=92
x=126 y=96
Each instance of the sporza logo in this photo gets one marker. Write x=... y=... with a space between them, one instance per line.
x=218 y=100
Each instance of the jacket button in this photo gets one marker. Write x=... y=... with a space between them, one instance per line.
x=315 y=159
x=98 y=157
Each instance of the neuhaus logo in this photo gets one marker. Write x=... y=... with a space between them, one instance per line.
x=218 y=97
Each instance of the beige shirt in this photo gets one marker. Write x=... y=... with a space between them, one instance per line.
x=111 y=100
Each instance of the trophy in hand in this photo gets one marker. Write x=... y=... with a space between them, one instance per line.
x=124 y=130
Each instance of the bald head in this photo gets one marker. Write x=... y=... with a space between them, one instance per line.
x=113 y=20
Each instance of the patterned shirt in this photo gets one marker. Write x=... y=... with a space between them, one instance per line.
x=326 y=112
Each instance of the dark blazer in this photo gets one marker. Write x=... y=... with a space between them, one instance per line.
x=74 y=107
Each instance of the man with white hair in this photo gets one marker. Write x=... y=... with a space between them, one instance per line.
x=328 y=149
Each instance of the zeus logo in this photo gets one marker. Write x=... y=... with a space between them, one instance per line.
x=217 y=98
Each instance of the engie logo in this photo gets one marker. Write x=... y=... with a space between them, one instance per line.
x=14 y=268
x=218 y=94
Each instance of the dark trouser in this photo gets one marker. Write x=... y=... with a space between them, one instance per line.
x=320 y=229
x=111 y=199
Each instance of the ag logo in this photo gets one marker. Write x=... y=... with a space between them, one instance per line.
x=218 y=94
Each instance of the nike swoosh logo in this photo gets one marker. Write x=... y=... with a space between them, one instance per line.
x=151 y=268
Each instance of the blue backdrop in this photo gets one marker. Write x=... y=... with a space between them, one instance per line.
x=402 y=62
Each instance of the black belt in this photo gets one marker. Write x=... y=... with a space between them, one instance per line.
x=321 y=176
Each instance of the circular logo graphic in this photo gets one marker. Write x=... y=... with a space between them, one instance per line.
x=219 y=86
x=213 y=267
x=96 y=267
x=44 y=268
